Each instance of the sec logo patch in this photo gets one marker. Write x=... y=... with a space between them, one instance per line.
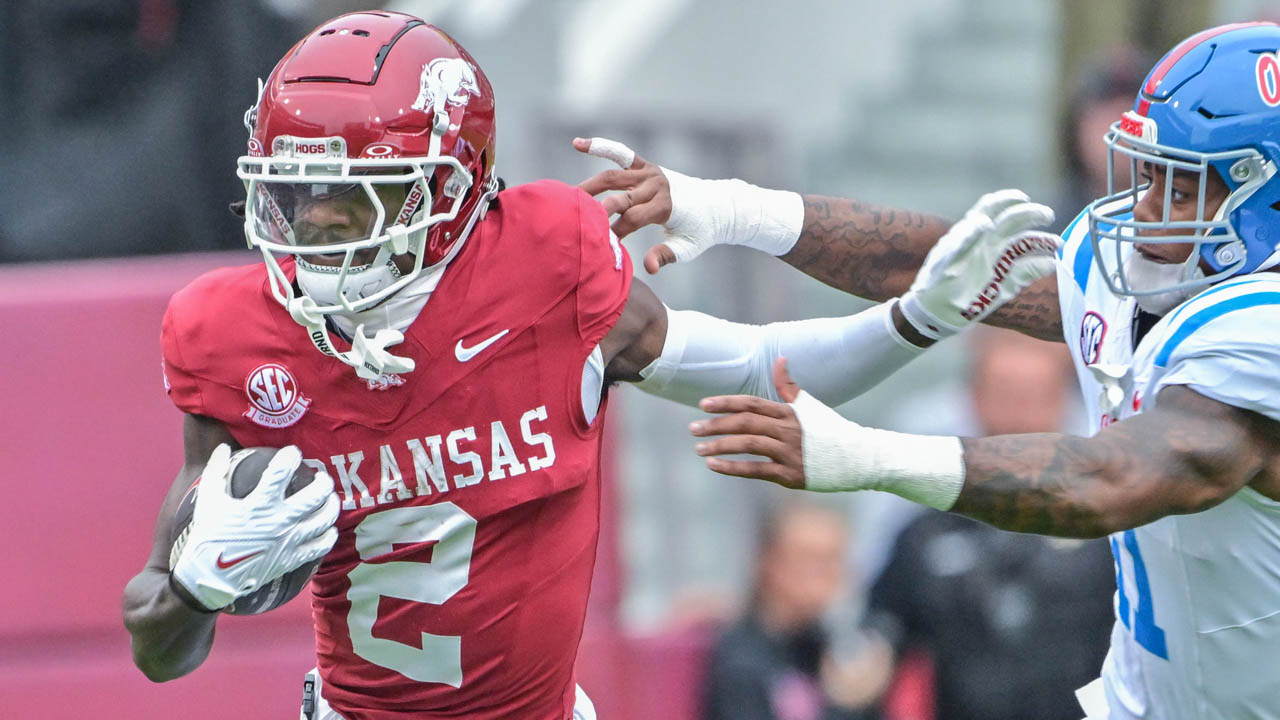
x=274 y=398
x=1092 y=331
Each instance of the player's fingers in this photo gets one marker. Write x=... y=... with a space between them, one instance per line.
x=758 y=469
x=739 y=424
x=994 y=203
x=745 y=403
x=610 y=180
x=608 y=149
x=317 y=547
x=658 y=256
x=617 y=203
x=215 y=483
x=320 y=519
x=972 y=228
x=219 y=461
x=787 y=388
x=278 y=471
x=744 y=444
x=638 y=216
x=637 y=197
x=312 y=495
x=1023 y=216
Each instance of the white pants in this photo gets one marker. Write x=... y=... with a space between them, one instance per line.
x=320 y=710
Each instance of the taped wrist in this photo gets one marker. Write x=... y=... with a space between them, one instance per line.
x=836 y=359
x=733 y=212
x=840 y=455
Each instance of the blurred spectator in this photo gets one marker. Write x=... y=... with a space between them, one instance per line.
x=1103 y=95
x=775 y=663
x=1013 y=623
x=122 y=122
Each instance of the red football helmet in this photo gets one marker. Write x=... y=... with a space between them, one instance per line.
x=369 y=100
x=388 y=118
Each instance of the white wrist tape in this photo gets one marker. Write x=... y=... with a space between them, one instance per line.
x=842 y=455
x=835 y=358
x=730 y=212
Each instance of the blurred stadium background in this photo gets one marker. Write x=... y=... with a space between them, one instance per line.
x=121 y=124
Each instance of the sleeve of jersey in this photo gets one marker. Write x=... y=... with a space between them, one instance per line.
x=1233 y=358
x=183 y=387
x=604 y=274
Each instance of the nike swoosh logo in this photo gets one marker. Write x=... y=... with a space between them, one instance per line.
x=466 y=353
x=224 y=564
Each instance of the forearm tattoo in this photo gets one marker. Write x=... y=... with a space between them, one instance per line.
x=1187 y=455
x=875 y=252
x=865 y=250
x=1032 y=483
x=1035 y=312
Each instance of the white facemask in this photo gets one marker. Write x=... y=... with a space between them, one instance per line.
x=1144 y=274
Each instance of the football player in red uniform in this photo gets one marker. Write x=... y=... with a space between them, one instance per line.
x=464 y=335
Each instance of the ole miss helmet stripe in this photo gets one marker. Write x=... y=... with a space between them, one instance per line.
x=1180 y=52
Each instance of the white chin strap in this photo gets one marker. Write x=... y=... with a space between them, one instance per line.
x=320 y=285
x=368 y=355
x=321 y=282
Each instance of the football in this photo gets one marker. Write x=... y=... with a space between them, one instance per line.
x=246 y=467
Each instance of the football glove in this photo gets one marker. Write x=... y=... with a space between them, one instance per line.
x=236 y=545
x=982 y=262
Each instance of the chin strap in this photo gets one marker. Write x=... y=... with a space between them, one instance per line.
x=368 y=355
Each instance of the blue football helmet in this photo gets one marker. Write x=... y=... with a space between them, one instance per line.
x=1211 y=104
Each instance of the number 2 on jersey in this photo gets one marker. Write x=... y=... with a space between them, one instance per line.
x=454 y=533
x=1145 y=631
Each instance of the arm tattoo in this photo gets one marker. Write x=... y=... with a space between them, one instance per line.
x=1034 y=312
x=865 y=250
x=875 y=252
x=1185 y=456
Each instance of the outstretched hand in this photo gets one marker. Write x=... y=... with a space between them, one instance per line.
x=755 y=426
x=642 y=193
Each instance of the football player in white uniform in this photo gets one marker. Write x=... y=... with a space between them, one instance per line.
x=1166 y=291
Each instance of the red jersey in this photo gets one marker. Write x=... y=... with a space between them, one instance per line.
x=470 y=487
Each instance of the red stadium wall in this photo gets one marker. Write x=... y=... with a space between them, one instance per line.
x=91 y=443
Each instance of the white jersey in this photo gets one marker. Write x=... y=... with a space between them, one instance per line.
x=1197 y=631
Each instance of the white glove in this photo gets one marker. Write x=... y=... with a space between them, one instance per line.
x=235 y=546
x=983 y=261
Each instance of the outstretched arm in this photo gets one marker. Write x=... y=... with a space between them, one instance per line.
x=978 y=264
x=1187 y=454
x=684 y=355
x=866 y=250
x=874 y=252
